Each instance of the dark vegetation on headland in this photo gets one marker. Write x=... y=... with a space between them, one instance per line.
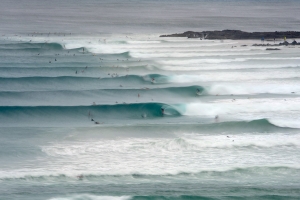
x=236 y=35
x=241 y=35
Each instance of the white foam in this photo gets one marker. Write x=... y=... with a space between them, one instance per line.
x=189 y=152
x=248 y=109
x=144 y=42
x=91 y=197
x=200 y=61
x=276 y=87
x=177 y=55
x=290 y=123
x=208 y=67
x=216 y=76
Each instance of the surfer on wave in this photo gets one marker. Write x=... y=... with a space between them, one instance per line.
x=162 y=111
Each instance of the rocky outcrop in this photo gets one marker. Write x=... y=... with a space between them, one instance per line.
x=272 y=49
x=236 y=35
x=285 y=43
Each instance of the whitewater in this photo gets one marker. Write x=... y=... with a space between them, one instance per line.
x=119 y=114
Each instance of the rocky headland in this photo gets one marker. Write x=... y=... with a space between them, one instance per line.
x=236 y=35
x=241 y=35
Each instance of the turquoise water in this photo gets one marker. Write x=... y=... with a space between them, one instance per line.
x=94 y=110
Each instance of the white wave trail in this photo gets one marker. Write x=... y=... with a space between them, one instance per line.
x=256 y=108
x=91 y=197
x=191 y=54
x=248 y=88
x=188 y=153
x=232 y=76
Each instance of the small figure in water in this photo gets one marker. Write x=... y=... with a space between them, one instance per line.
x=216 y=118
x=152 y=80
x=138 y=95
x=80 y=177
x=162 y=111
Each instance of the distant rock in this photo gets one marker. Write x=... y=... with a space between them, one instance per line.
x=272 y=49
x=284 y=43
x=295 y=43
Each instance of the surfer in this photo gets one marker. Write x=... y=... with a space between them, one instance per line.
x=80 y=177
x=162 y=111
x=216 y=118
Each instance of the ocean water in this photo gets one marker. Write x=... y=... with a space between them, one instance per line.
x=83 y=85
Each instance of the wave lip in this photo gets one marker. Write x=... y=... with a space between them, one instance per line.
x=117 y=111
x=233 y=171
x=82 y=82
x=263 y=124
x=32 y=46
